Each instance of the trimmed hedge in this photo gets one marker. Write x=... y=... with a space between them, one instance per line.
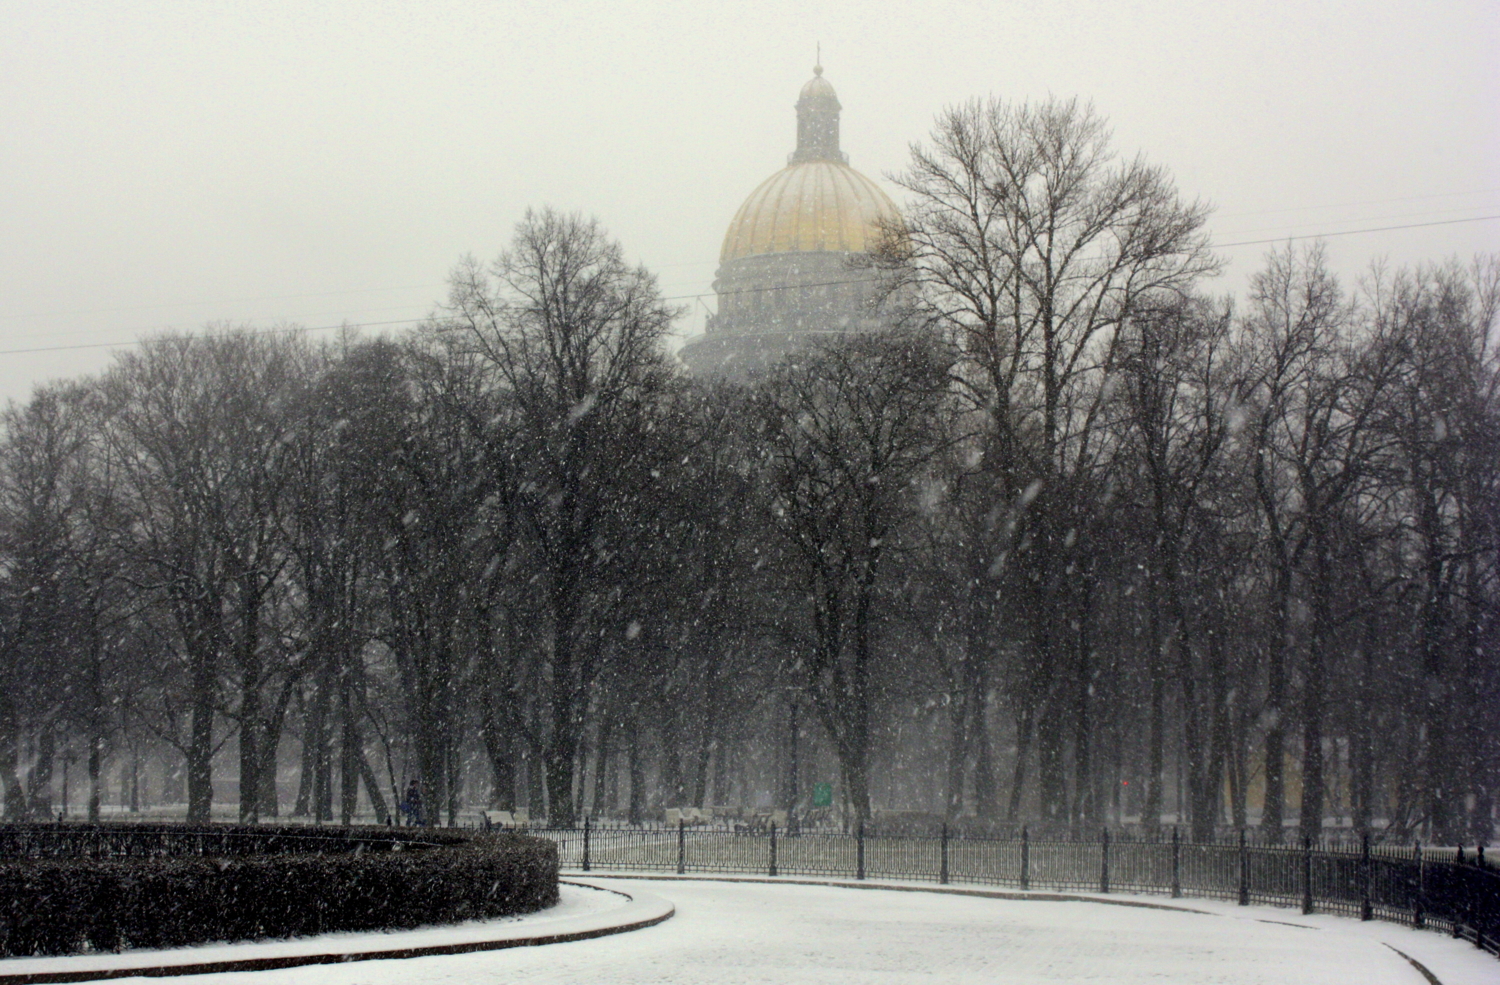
x=57 y=905
x=124 y=838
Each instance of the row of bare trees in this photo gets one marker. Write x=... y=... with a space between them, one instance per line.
x=1075 y=537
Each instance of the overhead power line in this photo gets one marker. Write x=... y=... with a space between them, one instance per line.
x=280 y=330
x=1368 y=201
x=1352 y=232
x=748 y=290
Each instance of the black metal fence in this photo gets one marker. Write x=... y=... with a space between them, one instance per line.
x=1444 y=890
x=142 y=840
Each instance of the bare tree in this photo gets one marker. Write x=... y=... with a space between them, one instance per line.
x=849 y=428
x=574 y=336
x=1435 y=325
x=1027 y=241
x=338 y=463
x=1175 y=417
x=1310 y=394
x=43 y=490
x=199 y=428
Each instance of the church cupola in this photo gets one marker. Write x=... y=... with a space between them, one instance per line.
x=785 y=276
x=818 y=122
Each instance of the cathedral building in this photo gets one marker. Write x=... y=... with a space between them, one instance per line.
x=784 y=270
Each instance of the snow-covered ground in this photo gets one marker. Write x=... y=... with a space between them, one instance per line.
x=729 y=933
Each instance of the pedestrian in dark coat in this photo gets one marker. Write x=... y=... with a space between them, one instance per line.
x=411 y=805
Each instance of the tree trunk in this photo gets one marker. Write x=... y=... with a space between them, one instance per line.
x=1208 y=811
x=1156 y=733
x=637 y=812
x=39 y=782
x=1086 y=804
x=603 y=773
x=668 y=736
x=1239 y=751
x=562 y=752
x=252 y=669
x=350 y=750
x=96 y=767
x=1363 y=738
x=372 y=788
x=958 y=742
x=200 y=787
x=1273 y=813
x=501 y=749
x=314 y=737
x=986 y=789
x=15 y=795
x=724 y=755
x=1314 y=690
x=1018 y=773
x=1051 y=767
x=322 y=757
x=269 y=743
x=702 y=747
x=536 y=781
x=1196 y=745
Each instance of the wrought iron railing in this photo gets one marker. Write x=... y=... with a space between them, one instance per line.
x=1446 y=890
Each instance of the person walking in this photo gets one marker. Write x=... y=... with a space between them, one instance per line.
x=411 y=804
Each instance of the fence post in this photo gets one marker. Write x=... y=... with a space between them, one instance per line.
x=1474 y=898
x=1025 y=859
x=585 y=843
x=1419 y=916
x=1244 y=871
x=1104 y=861
x=859 y=850
x=1471 y=896
x=681 y=845
x=1459 y=878
x=1307 y=896
x=1366 y=909
x=1176 y=863
x=943 y=860
x=772 y=869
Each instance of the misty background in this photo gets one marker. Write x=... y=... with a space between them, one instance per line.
x=168 y=165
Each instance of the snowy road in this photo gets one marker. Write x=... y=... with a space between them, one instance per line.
x=738 y=933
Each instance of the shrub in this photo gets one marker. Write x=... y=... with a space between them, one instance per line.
x=53 y=905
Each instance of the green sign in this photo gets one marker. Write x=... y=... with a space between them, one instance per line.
x=822 y=795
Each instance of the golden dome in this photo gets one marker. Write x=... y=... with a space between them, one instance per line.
x=810 y=206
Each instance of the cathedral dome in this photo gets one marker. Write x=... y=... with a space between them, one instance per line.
x=810 y=206
x=785 y=276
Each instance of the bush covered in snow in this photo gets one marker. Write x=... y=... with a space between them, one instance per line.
x=92 y=901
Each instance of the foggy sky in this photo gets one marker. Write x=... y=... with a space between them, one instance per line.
x=165 y=165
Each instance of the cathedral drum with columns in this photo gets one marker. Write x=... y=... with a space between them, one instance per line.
x=785 y=274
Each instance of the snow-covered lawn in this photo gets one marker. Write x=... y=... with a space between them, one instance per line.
x=728 y=933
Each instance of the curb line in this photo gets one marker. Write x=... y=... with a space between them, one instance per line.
x=896 y=887
x=1431 y=978
x=347 y=957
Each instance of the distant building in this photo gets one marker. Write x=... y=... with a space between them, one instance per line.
x=784 y=272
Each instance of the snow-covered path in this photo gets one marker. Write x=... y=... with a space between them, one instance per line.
x=728 y=933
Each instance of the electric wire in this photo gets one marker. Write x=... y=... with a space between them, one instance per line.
x=704 y=294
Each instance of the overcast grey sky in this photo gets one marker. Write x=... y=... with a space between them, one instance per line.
x=165 y=165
